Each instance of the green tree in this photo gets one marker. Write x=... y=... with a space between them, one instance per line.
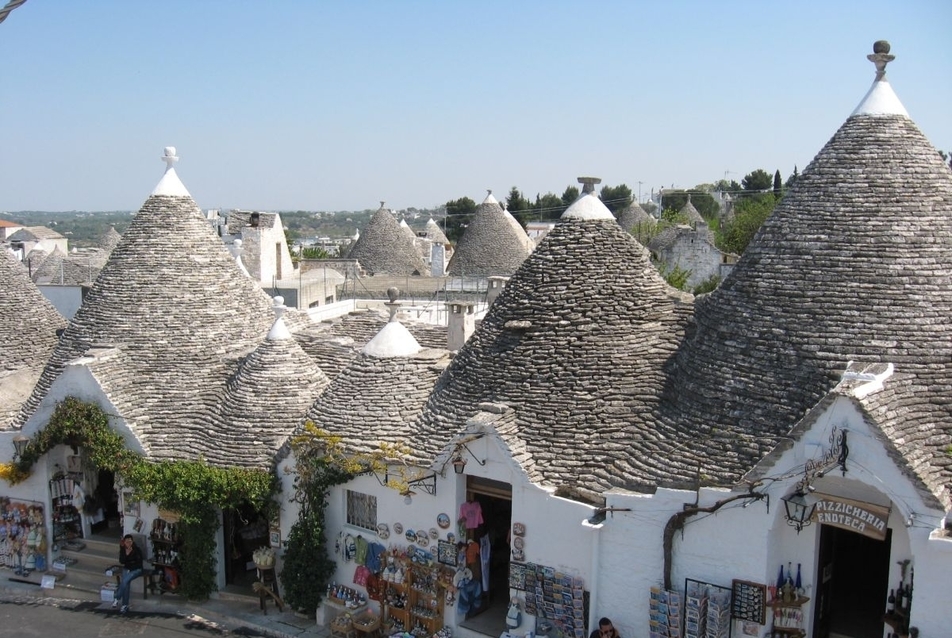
x=569 y=195
x=794 y=176
x=459 y=212
x=757 y=181
x=749 y=214
x=615 y=197
x=549 y=206
x=515 y=202
x=727 y=186
x=317 y=252
x=777 y=185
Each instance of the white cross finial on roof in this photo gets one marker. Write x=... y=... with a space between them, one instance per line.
x=880 y=57
x=588 y=183
x=169 y=157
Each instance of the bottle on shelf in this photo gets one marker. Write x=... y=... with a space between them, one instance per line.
x=799 y=584
x=891 y=602
x=780 y=579
x=899 y=600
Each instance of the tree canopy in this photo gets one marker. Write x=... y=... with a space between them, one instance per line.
x=615 y=198
x=758 y=180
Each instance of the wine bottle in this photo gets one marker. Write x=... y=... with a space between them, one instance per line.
x=780 y=578
x=891 y=602
x=799 y=583
x=899 y=597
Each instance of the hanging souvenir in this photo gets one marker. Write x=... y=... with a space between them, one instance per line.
x=421 y=538
x=410 y=536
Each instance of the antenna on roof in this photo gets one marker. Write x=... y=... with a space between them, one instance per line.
x=880 y=57
x=588 y=183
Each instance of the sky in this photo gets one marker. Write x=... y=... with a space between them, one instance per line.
x=326 y=105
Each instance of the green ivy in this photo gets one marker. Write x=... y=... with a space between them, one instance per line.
x=193 y=489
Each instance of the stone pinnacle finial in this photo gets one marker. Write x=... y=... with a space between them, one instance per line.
x=880 y=57
x=382 y=203
x=393 y=305
x=588 y=183
x=169 y=157
x=279 y=307
x=489 y=192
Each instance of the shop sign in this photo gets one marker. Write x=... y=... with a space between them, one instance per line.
x=863 y=518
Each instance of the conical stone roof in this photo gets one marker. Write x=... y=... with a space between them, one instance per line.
x=385 y=248
x=380 y=395
x=632 y=215
x=434 y=233
x=179 y=313
x=689 y=212
x=854 y=264
x=110 y=239
x=28 y=325
x=492 y=244
x=267 y=399
x=576 y=344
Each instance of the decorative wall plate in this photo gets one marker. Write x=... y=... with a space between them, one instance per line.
x=422 y=538
x=451 y=537
x=518 y=529
x=443 y=520
x=518 y=555
x=410 y=536
x=397 y=528
x=434 y=533
x=518 y=542
x=383 y=531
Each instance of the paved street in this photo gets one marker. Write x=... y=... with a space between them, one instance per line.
x=23 y=616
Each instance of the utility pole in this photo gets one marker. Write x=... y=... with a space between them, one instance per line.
x=639 y=192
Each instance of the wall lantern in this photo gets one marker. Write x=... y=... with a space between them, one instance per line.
x=459 y=462
x=799 y=512
x=19 y=444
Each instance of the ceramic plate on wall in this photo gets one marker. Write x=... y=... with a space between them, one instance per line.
x=383 y=531
x=518 y=529
x=443 y=520
x=518 y=543
x=397 y=528
x=422 y=538
x=434 y=534
x=411 y=535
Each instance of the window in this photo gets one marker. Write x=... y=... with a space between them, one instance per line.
x=361 y=510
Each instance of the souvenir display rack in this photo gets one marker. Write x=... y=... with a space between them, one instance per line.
x=788 y=618
x=556 y=596
x=664 y=613
x=166 y=546
x=707 y=610
x=426 y=598
x=67 y=520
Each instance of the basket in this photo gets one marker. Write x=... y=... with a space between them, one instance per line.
x=342 y=623
x=366 y=622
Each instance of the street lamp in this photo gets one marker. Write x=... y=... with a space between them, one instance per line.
x=799 y=512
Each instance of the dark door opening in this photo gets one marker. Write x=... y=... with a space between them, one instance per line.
x=104 y=509
x=245 y=530
x=495 y=501
x=852 y=584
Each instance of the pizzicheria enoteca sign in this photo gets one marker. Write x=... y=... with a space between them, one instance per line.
x=863 y=518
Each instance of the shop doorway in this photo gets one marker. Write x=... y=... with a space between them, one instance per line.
x=852 y=584
x=103 y=509
x=245 y=530
x=495 y=503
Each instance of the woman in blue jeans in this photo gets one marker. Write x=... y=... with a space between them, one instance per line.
x=130 y=557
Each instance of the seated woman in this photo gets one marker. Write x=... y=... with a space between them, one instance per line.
x=130 y=556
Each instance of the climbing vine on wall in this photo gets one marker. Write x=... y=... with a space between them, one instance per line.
x=193 y=489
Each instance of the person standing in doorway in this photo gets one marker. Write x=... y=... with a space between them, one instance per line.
x=130 y=557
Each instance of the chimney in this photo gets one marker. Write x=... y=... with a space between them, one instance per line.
x=461 y=323
x=496 y=284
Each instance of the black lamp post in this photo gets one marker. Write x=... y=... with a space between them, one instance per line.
x=799 y=512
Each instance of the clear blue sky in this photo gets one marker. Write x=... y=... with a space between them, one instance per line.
x=286 y=105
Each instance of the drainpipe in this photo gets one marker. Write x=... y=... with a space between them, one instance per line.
x=593 y=589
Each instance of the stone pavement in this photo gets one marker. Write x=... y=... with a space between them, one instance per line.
x=235 y=615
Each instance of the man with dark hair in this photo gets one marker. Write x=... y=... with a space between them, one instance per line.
x=605 y=630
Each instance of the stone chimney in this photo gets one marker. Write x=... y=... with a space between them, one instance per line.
x=496 y=284
x=461 y=323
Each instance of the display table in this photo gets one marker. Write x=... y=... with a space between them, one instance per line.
x=268 y=583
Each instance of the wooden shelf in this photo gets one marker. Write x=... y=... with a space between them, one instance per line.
x=799 y=602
